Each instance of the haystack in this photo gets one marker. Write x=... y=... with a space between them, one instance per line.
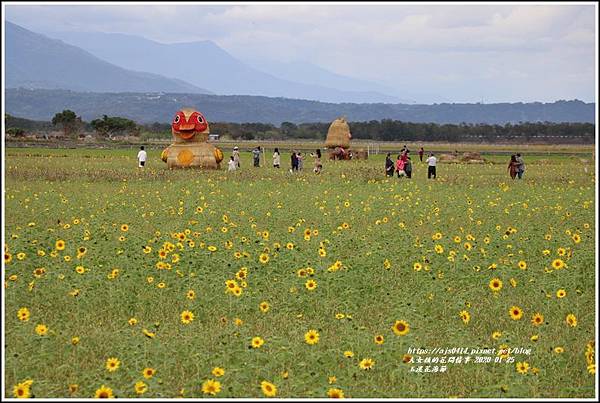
x=200 y=155
x=448 y=158
x=338 y=134
x=360 y=154
x=472 y=158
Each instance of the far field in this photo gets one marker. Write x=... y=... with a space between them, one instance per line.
x=373 y=265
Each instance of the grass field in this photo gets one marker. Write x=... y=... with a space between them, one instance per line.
x=114 y=273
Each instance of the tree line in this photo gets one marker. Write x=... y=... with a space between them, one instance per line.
x=111 y=127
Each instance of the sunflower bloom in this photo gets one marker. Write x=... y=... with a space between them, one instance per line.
x=211 y=387
x=23 y=314
x=112 y=364
x=257 y=342
x=218 y=371
x=366 y=363
x=104 y=392
x=465 y=316
x=148 y=372
x=537 y=319
x=22 y=390
x=401 y=328
x=515 y=312
x=495 y=284
x=268 y=389
x=41 y=330
x=522 y=367
x=335 y=393
x=140 y=387
x=187 y=317
x=311 y=337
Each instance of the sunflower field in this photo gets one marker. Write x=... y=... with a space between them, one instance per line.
x=128 y=282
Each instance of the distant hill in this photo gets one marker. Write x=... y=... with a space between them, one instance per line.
x=36 y=61
x=205 y=64
x=153 y=107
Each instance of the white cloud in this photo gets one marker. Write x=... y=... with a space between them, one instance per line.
x=456 y=49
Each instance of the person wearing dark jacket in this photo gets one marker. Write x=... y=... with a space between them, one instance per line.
x=389 y=166
x=294 y=161
x=408 y=167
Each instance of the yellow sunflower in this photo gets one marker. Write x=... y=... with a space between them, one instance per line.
x=515 y=312
x=495 y=284
x=187 y=317
x=401 y=327
x=211 y=387
x=268 y=389
x=537 y=319
x=366 y=363
x=112 y=364
x=311 y=337
x=104 y=392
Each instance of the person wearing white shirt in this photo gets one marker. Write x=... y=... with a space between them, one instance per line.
x=431 y=163
x=232 y=164
x=141 y=157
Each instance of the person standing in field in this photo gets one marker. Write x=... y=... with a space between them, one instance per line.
x=408 y=167
x=256 y=156
x=520 y=166
x=236 y=156
x=389 y=165
x=294 y=161
x=276 y=158
x=400 y=166
x=421 y=151
x=232 y=166
x=513 y=166
x=300 y=159
x=431 y=166
x=141 y=157
x=318 y=164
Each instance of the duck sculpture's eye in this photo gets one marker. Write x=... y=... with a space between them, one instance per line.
x=177 y=118
x=200 y=119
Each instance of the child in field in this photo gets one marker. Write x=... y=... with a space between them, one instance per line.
x=400 y=167
x=318 y=165
x=232 y=165
x=141 y=157
x=236 y=156
x=520 y=166
x=513 y=166
x=300 y=161
x=276 y=158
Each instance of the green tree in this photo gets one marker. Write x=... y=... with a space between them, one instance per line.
x=111 y=126
x=69 y=122
x=15 y=132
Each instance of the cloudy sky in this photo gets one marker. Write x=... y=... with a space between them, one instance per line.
x=459 y=52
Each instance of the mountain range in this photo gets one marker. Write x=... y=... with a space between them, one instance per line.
x=160 y=107
x=129 y=76
x=36 y=61
x=205 y=65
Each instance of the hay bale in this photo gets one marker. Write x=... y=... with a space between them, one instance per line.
x=360 y=155
x=192 y=155
x=472 y=158
x=338 y=134
x=448 y=158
